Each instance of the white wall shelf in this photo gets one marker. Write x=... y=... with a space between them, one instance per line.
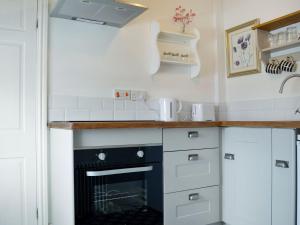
x=176 y=37
x=178 y=43
x=282 y=47
x=281 y=51
x=178 y=62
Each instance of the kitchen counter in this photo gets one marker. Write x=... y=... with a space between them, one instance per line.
x=179 y=124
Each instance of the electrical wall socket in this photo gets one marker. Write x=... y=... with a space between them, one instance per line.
x=132 y=95
x=122 y=94
x=138 y=95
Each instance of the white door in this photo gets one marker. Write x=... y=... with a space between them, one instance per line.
x=18 y=106
x=246 y=185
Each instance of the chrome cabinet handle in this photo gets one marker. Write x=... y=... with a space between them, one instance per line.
x=229 y=156
x=193 y=134
x=282 y=164
x=194 y=197
x=193 y=157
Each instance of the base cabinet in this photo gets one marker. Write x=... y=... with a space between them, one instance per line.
x=258 y=176
x=191 y=176
x=283 y=177
x=194 y=207
x=246 y=191
x=185 y=170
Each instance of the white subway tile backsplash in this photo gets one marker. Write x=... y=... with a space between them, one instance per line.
x=280 y=115
x=73 y=108
x=267 y=109
x=286 y=103
x=119 y=105
x=147 y=115
x=56 y=115
x=124 y=115
x=80 y=108
x=61 y=101
x=141 y=106
x=293 y=115
x=102 y=115
x=187 y=106
x=89 y=103
x=185 y=116
x=130 y=106
x=153 y=104
x=107 y=104
x=222 y=116
x=77 y=115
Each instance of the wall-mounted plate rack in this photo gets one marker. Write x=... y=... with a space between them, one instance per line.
x=165 y=41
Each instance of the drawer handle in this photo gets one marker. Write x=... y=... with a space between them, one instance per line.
x=194 y=197
x=193 y=157
x=193 y=134
x=229 y=156
x=282 y=164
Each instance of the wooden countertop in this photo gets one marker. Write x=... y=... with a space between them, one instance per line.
x=179 y=124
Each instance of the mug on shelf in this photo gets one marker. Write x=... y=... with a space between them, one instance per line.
x=288 y=64
x=273 y=67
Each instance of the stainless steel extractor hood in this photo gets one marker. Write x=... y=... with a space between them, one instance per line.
x=105 y=12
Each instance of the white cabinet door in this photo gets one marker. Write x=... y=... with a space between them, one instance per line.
x=190 y=138
x=246 y=176
x=18 y=96
x=283 y=177
x=194 y=207
x=185 y=170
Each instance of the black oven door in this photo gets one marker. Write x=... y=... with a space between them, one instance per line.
x=125 y=195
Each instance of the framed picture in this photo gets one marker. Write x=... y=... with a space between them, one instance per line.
x=242 y=50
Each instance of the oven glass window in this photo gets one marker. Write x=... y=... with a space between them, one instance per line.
x=114 y=194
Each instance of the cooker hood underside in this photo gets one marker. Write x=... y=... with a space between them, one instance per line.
x=105 y=12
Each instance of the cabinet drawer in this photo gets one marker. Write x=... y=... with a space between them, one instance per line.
x=200 y=206
x=186 y=139
x=192 y=169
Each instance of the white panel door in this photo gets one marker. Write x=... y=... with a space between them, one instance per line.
x=246 y=171
x=18 y=106
x=284 y=177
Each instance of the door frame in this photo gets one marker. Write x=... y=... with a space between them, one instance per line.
x=42 y=115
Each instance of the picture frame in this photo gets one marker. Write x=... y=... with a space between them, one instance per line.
x=243 y=56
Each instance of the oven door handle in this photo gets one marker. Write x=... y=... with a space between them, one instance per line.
x=118 y=171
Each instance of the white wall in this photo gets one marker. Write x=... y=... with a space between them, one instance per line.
x=92 y=60
x=259 y=86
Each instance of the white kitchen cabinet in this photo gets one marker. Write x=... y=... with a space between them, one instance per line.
x=193 y=169
x=195 y=207
x=246 y=189
x=190 y=138
x=283 y=177
x=191 y=176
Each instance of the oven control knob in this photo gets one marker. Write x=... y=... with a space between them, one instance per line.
x=140 y=154
x=102 y=156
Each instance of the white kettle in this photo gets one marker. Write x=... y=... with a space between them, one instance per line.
x=169 y=109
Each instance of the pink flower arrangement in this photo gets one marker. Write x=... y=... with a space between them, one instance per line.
x=183 y=16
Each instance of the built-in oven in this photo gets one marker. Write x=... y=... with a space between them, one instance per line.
x=119 y=186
